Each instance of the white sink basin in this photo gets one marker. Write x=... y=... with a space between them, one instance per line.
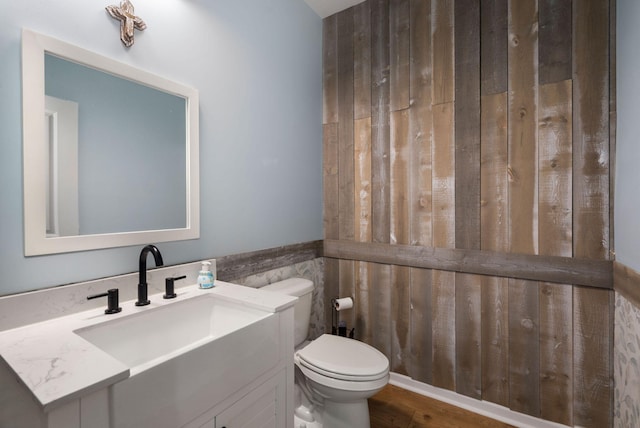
x=147 y=338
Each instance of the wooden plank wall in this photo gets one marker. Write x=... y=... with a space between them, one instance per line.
x=460 y=125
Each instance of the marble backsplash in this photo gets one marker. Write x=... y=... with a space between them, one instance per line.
x=626 y=364
x=41 y=305
x=312 y=270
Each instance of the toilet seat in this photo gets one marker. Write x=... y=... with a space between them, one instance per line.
x=343 y=359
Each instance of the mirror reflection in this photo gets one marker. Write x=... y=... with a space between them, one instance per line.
x=131 y=150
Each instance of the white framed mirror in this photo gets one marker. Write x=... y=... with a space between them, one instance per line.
x=120 y=169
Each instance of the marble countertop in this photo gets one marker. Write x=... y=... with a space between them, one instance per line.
x=58 y=366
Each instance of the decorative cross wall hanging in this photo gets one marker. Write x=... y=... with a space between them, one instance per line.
x=128 y=19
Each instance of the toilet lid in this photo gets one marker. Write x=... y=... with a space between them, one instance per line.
x=343 y=358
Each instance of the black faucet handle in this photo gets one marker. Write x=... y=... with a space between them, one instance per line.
x=169 y=287
x=112 y=300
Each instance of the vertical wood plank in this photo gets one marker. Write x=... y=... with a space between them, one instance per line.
x=468 y=335
x=443 y=55
x=556 y=351
x=420 y=364
x=493 y=49
x=467 y=123
x=522 y=127
x=495 y=237
x=399 y=54
x=591 y=129
x=346 y=190
x=555 y=163
x=555 y=40
x=593 y=339
x=467 y=194
x=380 y=132
x=591 y=210
x=400 y=296
x=345 y=128
x=524 y=347
x=330 y=69
x=443 y=283
x=330 y=216
x=524 y=360
x=362 y=60
x=555 y=227
x=420 y=123
x=381 y=308
x=362 y=146
x=380 y=172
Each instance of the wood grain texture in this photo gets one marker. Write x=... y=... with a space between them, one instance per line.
x=362 y=60
x=495 y=340
x=563 y=270
x=346 y=125
x=399 y=45
x=495 y=237
x=421 y=125
x=419 y=364
x=523 y=202
x=400 y=234
x=490 y=170
x=556 y=350
x=399 y=408
x=330 y=184
x=443 y=298
x=592 y=365
x=363 y=228
x=330 y=69
x=443 y=283
x=555 y=40
x=493 y=49
x=443 y=54
x=556 y=173
x=494 y=190
x=591 y=129
x=524 y=355
x=468 y=335
x=467 y=124
x=380 y=131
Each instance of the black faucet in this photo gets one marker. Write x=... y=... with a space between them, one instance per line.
x=142 y=282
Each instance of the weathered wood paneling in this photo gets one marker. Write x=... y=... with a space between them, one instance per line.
x=493 y=49
x=419 y=365
x=564 y=270
x=555 y=40
x=443 y=283
x=488 y=169
x=495 y=237
x=443 y=55
x=400 y=223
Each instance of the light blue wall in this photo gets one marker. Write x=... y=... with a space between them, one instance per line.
x=627 y=192
x=257 y=66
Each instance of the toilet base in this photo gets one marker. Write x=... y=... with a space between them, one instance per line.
x=354 y=414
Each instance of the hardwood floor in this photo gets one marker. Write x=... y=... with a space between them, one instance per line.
x=394 y=407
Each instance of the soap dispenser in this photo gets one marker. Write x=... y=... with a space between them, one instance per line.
x=205 y=276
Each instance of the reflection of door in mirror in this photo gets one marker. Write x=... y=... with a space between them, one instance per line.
x=61 y=119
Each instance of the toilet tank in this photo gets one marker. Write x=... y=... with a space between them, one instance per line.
x=303 y=290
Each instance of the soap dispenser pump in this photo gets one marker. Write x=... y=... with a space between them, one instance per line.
x=205 y=276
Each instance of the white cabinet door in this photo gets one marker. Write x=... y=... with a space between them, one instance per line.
x=264 y=407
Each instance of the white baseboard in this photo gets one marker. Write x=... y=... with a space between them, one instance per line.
x=483 y=408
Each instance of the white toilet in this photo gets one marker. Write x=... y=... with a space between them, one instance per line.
x=334 y=375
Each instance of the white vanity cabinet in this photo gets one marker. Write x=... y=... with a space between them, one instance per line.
x=240 y=379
